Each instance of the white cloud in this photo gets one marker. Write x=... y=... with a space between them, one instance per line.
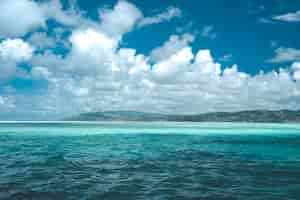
x=54 y=10
x=16 y=50
x=98 y=74
x=296 y=70
x=7 y=70
x=6 y=103
x=208 y=32
x=119 y=20
x=40 y=73
x=19 y=17
x=169 y=14
x=177 y=63
x=42 y=41
x=13 y=51
x=9 y=89
x=285 y=55
x=90 y=40
x=50 y=60
x=91 y=52
x=203 y=57
x=289 y=17
x=170 y=47
x=2 y=100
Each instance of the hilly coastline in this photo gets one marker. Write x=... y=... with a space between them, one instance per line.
x=281 y=116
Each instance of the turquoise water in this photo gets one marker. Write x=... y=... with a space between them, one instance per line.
x=149 y=161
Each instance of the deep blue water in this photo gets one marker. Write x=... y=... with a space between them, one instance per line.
x=54 y=161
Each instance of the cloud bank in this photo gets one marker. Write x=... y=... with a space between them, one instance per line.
x=98 y=73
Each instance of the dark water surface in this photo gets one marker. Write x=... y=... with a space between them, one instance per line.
x=53 y=161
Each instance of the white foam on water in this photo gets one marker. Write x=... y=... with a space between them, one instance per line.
x=72 y=128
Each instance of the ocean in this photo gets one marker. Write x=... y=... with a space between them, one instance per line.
x=120 y=161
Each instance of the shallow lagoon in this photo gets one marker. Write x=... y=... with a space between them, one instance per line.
x=76 y=160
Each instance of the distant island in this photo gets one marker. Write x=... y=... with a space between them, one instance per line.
x=266 y=116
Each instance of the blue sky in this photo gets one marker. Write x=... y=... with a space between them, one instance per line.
x=61 y=58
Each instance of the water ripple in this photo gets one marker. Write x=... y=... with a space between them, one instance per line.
x=149 y=167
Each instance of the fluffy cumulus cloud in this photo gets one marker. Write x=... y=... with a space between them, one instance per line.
x=21 y=16
x=12 y=52
x=120 y=19
x=98 y=74
x=175 y=64
x=170 y=47
x=16 y=50
x=18 y=17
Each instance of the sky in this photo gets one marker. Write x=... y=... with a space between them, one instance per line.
x=59 y=58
